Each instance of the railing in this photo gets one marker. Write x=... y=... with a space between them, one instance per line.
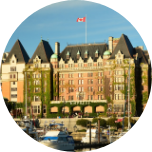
x=79 y=102
x=79 y=68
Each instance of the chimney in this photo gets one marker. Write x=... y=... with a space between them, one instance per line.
x=57 y=48
x=110 y=44
x=149 y=60
x=141 y=47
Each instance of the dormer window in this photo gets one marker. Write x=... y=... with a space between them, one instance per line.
x=86 y=54
x=67 y=55
x=99 y=63
x=12 y=61
x=96 y=53
x=78 y=55
x=36 y=65
x=119 y=61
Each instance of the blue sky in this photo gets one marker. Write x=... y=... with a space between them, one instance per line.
x=57 y=23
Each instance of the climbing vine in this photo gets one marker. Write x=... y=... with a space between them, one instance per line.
x=43 y=85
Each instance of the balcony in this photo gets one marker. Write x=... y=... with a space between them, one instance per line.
x=79 y=102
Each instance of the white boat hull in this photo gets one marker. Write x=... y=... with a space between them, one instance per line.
x=58 y=145
x=93 y=140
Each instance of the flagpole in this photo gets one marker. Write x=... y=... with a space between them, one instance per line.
x=86 y=30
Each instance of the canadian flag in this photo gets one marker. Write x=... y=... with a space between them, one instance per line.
x=81 y=19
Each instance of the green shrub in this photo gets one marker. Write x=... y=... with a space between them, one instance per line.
x=102 y=121
x=82 y=130
x=111 y=121
x=82 y=122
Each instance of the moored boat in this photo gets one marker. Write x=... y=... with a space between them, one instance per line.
x=64 y=141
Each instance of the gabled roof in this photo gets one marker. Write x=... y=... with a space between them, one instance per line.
x=124 y=46
x=43 y=51
x=90 y=48
x=141 y=55
x=19 y=52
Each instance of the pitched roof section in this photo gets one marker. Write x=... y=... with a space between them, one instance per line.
x=90 y=48
x=19 y=52
x=124 y=46
x=43 y=51
x=141 y=55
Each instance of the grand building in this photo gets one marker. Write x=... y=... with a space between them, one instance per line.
x=88 y=78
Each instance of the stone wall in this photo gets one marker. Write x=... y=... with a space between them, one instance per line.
x=69 y=123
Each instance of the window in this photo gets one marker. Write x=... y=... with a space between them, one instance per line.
x=119 y=61
x=37 y=98
x=71 y=82
x=80 y=89
x=80 y=81
x=90 y=97
x=61 y=75
x=37 y=89
x=100 y=97
x=10 y=76
x=78 y=56
x=70 y=75
x=61 y=66
x=111 y=96
x=61 y=98
x=90 y=81
x=118 y=108
x=90 y=89
x=110 y=87
x=61 y=89
x=99 y=63
x=13 y=95
x=13 y=83
x=12 y=61
x=70 y=65
x=67 y=56
x=70 y=97
x=90 y=74
x=14 y=76
x=12 y=68
x=86 y=55
x=100 y=88
x=98 y=81
x=80 y=75
x=90 y=64
x=13 y=89
x=44 y=109
x=36 y=109
x=96 y=54
x=100 y=74
x=71 y=89
x=80 y=64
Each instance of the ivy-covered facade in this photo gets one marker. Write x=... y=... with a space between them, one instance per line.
x=88 y=78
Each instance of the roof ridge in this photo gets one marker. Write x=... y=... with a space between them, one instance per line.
x=45 y=51
x=20 y=49
x=126 y=45
x=143 y=56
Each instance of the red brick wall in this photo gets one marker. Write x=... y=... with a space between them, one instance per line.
x=114 y=43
